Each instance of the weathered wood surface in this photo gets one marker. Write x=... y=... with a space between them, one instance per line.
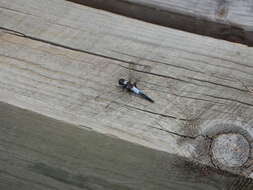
x=67 y=61
x=226 y=19
x=37 y=152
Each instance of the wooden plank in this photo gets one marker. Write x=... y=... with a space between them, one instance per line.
x=229 y=20
x=67 y=59
x=41 y=153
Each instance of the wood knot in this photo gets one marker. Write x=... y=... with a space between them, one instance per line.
x=221 y=12
x=231 y=150
x=222 y=8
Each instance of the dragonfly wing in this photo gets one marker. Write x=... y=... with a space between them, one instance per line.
x=131 y=71
x=135 y=73
x=116 y=97
x=140 y=72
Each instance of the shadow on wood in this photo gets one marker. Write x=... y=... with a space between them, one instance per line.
x=37 y=152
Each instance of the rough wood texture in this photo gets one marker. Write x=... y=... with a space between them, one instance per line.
x=225 y=19
x=41 y=153
x=67 y=59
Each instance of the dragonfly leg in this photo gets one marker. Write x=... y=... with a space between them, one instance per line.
x=129 y=90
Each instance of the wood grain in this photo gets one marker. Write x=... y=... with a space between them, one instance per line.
x=230 y=20
x=37 y=152
x=63 y=60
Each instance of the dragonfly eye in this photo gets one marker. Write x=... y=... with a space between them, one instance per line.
x=121 y=81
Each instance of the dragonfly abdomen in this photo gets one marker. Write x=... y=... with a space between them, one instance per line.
x=135 y=90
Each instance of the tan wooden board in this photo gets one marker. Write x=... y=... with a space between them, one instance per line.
x=68 y=59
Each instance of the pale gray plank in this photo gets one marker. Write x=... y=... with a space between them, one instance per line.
x=225 y=19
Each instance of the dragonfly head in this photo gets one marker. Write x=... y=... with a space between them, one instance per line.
x=122 y=82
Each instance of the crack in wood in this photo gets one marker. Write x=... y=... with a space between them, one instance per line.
x=217 y=84
x=230 y=99
x=155 y=113
x=160 y=62
x=178 y=134
x=156 y=74
x=182 y=96
x=20 y=34
x=218 y=65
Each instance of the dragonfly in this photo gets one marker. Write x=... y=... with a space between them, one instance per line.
x=135 y=74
